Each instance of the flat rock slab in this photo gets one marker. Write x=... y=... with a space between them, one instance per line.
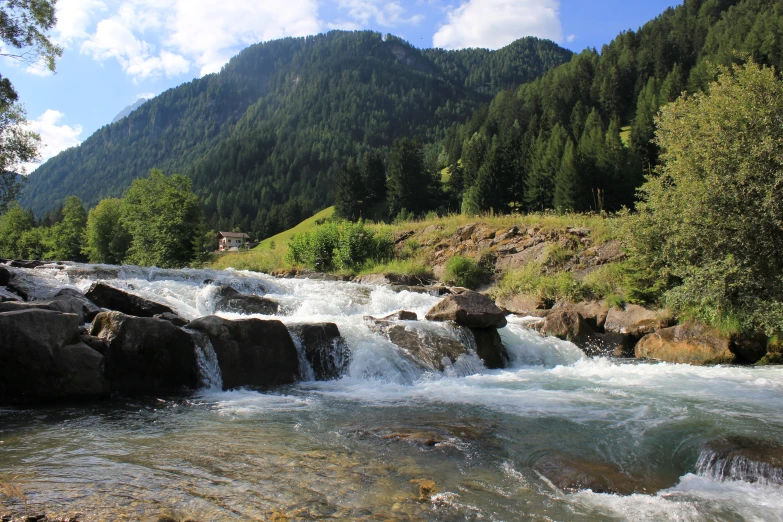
x=115 y=299
x=428 y=347
x=228 y=299
x=470 y=309
x=742 y=458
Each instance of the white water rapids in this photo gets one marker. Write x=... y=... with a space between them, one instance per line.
x=331 y=449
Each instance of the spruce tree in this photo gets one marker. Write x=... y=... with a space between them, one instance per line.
x=373 y=177
x=569 y=187
x=410 y=186
x=348 y=191
x=545 y=164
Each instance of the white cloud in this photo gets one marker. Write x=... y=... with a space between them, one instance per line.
x=74 y=18
x=387 y=13
x=570 y=38
x=54 y=138
x=145 y=95
x=495 y=23
x=150 y=38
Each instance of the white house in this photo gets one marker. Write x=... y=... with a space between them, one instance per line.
x=229 y=240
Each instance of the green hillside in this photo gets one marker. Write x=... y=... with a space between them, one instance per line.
x=261 y=138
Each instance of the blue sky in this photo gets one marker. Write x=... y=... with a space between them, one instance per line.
x=119 y=50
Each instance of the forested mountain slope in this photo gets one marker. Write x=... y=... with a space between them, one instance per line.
x=268 y=129
x=556 y=141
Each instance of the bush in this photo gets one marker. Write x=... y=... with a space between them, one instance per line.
x=464 y=272
x=340 y=246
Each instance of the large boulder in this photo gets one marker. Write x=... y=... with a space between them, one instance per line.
x=749 y=348
x=228 y=299
x=251 y=352
x=594 y=313
x=30 y=342
x=572 y=474
x=688 y=343
x=742 y=458
x=79 y=373
x=490 y=348
x=146 y=355
x=70 y=300
x=636 y=320
x=112 y=298
x=427 y=345
x=470 y=309
x=568 y=325
x=524 y=305
x=325 y=349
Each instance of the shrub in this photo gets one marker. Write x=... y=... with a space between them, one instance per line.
x=463 y=271
x=343 y=246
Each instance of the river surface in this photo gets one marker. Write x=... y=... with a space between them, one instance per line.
x=359 y=448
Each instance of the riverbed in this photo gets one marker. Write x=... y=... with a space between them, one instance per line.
x=389 y=440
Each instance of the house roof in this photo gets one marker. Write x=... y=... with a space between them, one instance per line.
x=234 y=234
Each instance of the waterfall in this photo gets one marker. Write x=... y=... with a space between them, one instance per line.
x=208 y=367
x=306 y=372
x=722 y=465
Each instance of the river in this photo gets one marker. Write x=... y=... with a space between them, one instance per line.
x=361 y=447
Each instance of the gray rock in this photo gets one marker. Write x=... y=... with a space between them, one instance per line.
x=568 y=325
x=469 y=309
x=70 y=300
x=742 y=458
x=146 y=355
x=112 y=298
x=173 y=319
x=425 y=345
x=5 y=276
x=228 y=299
x=79 y=373
x=7 y=295
x=636 y=320
x=325 y=349
x=251 y=352
x=30 y=341
x=490 y=348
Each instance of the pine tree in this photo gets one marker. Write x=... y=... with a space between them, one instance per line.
x=348 y=191
x=373 y=174
x=594 y=170
x=569 y=187
x=643 y=128
x=545 y=164
x=410 y=186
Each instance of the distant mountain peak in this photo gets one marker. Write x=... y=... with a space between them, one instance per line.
x=129 y=109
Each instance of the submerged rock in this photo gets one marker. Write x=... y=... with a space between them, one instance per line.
x=325 y=349
x=251 y=352
x=742 y=458
x=146 y=355
x=688 y=343
x=112 y=298
x=572 y=474
x=470 y=309
x=402 y=315
x=7 y=295
x=426 y=346
x=227 y=299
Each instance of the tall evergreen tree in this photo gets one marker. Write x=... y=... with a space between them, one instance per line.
x=410 y=186
x=569 y=187
x=349 y=191
x=545 y=165
x=373 y=174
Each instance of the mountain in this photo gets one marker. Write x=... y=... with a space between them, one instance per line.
x=268 y=129
x=129 y=109
x=556 y=142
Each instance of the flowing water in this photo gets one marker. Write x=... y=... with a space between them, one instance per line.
x=359 y=447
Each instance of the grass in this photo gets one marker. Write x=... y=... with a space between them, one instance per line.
x=12 y=491
x=269 y=255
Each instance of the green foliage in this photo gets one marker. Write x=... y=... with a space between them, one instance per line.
x=465 y=272
x=534 y=281
x=65 y=237
x=13 y=224
x=344 y=246
x=409 y=185
x=107 y=240
x=164 y=220
x=711 y=218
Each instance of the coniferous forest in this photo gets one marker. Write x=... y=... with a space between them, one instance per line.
x=529 y=127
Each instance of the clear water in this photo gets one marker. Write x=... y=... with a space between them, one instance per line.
x=350 y=449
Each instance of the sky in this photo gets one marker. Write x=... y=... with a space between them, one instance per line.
x=117 y=51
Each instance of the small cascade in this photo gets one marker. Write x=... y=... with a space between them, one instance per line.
x=208 y=366
x=741 y=459
x=306 y=372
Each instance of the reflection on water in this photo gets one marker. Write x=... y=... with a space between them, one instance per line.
x=365 y=447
